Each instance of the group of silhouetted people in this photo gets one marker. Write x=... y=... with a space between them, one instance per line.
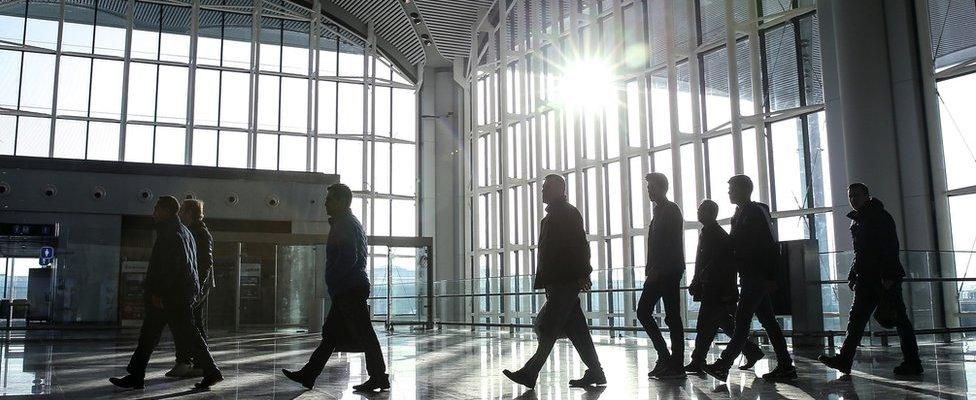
x=749 y=252
x=180 y=274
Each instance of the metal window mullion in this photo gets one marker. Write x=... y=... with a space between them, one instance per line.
x=54 y=94
x=252 y=81
x=696 y=90
x=731 y=45
x=672 y=72
x=757 y=94
x=126 y=68
x=368 y=163
x=191 y=81
x=311 y=115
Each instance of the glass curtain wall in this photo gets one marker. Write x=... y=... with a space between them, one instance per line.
x=948 y=26
x=700 y=90
x=218 y=83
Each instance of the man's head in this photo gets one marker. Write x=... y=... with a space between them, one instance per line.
x=858 y=194
x=707 y=211
x=338 y=199
x=191 y=211
x=166 y=207
x=740 y=189
x=657 y=186
x=553 y=189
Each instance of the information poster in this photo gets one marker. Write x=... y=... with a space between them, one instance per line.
x=131 y=300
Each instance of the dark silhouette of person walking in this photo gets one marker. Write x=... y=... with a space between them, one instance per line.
x=875 y=277
x=563 y=271
x=348 y=322
x=664 y=269
x=191 y=215
x=756 y=254
x=171 y=288
x=715 y=287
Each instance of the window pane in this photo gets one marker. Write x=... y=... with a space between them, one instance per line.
x=633 y=114
x=718 y=108
x=172 y=94
x=232 y=150
x=350 y=110
x=42 y=32
x=9 y=77
x=404 y=114
x=170 y=145
x=660 y=111
x=142 y=89
x=958 y=121
x=69 y=139
x=268 y=102
x=349 y=163
x=381 y=217
x=404 y=218
x=636 y=193
x=614 y=199
x=721 y=167
x=204 y=147
x=12 y=24
x=106 y=98
x=788 y=162
x=33 y=137
x=684 y=98
x=206 y=97
x=327 y=108
x=326 y=156
x=294 y=105
x=139 y=143
x=404 y=175
x=266 y=152
x=382 y=110
x=780 y=67
x=350 y=64
x=234 y=95
x=292 y=153
x=382 y=168
x=103 y=141
x=73 y=83
x=37 y=83
x=689 y=195
x=8 y=131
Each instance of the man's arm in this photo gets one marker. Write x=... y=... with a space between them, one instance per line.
x=344 y=246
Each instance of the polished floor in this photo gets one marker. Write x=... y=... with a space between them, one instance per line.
x=458 y=365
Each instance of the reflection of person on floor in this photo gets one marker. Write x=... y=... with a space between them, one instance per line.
x=563 y=271
x=875 y=277
x=715 y=287
x=191 y=214
x=664 y=269
x=171 y=287
x=756 y=254
x=348 y=323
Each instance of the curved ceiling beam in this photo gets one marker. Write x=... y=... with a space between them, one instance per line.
x=348 y=21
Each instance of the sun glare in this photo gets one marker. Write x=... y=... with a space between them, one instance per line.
x=586 y=85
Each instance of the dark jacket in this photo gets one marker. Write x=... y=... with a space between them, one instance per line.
x=564 y=252
x=345 y=256
x=665 y=241
x=754 y=245
x=172 y=271
x=205 y=262
x=714 y=270
x=876 y=245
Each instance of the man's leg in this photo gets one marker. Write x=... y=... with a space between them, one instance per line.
x=357 y=323
x=199 y=321
x=645 y=314
x=906 y=331
x=316 y=363
x=861 y=310
x=748 y=302
x=726 y=321
x=181 y=319
x=153 y=322
x=552 y=319
x=578 y=332
x=767 y=318
x=672 y=318
x=710 y=315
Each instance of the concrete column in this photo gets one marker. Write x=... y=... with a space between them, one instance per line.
x=442 y=190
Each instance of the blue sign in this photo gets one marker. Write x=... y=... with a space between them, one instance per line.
x=47 y=252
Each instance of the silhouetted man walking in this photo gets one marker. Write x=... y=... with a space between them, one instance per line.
x=191 y=215
x=563 y=271
x=875 y=277
x=171 y=287
x=348 y=320
x=715 y=287
x=664 y=269
x=756 y=254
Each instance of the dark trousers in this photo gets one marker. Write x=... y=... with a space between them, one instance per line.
x=348 y=316
x=182 y=354
x=754 y=300
x=866 y=299
x=667 y=289
x=712 y=315
x=180 y=320
x=562 y=316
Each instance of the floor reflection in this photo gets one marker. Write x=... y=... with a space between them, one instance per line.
x=459 y=365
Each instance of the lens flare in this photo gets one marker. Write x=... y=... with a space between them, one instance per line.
x=586 y=85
